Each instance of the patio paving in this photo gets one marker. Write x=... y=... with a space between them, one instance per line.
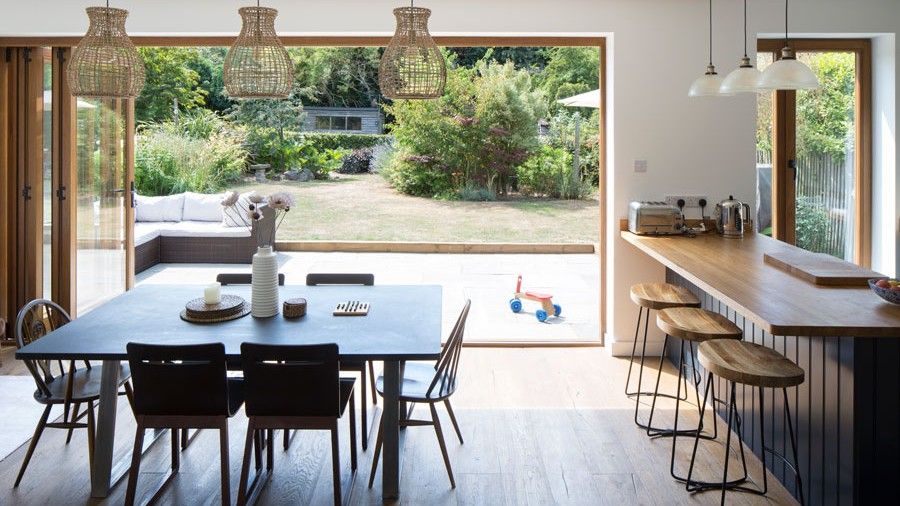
x=488 y=279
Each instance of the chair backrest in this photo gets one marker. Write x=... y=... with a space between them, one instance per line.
x=37 y=319
x=243 y=278
x=187 y=380
x=289 y=380
x=444 y=382
x=315 y=279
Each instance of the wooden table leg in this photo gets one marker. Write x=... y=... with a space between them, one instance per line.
x=106 y=429
x=390 y=455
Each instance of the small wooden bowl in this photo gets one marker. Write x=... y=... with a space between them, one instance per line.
x=294 y=308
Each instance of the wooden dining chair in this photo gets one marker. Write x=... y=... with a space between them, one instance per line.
x=70 y=386
x=360 y=367
x=180 y=387
x=429 y=384
x=241 y=278
x=295 y=388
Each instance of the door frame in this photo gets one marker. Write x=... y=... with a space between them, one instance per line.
x=784 y=144
x=363 y=41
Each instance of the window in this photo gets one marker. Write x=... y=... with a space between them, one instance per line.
x=338 y=123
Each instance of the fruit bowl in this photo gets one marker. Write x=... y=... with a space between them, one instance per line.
x=891 y=295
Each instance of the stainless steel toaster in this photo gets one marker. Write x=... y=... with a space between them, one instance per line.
x=655 y=218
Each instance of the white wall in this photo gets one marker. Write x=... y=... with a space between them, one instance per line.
x=657 y=47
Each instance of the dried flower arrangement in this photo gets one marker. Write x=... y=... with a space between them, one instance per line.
x=250 y=210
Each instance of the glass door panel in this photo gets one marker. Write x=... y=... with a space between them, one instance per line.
x=47 y=176
x=825 y=155
x=101 y=257
x=764 y=149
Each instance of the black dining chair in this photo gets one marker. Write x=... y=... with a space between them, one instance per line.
x=425 y=383
x=295 y=387
x=72 y=387
x=358 y=366
x=181 y=387
x=241 y=278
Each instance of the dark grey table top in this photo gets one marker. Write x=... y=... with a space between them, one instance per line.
x=404 y=323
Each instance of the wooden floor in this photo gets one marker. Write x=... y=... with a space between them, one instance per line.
x=541 y=426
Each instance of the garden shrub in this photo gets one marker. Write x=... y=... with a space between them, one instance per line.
x=474 y=193
x=290 y=150
x=321 y=140
x=549 y=174
x=812 y=225
x=357 y=161
x=418 y=175
x=483 y=126
x=170 y=158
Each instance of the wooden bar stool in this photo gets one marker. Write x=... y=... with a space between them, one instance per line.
x=653 y=296
x=691 y=325
x=754 y=365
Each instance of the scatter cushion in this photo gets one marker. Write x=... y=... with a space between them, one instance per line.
x=202 y=207
x=236 y=216
x=155 y=209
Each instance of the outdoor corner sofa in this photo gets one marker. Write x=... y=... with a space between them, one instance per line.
x=190 y=228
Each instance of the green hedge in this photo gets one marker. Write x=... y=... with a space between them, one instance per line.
x=322 y=141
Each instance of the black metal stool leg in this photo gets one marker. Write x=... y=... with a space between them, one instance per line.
x=796 y=466
x=640 y=392
x=637 y=329
x=682 y=378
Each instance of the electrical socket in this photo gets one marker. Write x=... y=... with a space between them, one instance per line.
x=689 y=200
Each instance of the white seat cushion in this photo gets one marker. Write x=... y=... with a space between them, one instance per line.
x=201 y=229
x=201 y=207
x=146 y=231
x=155 y=209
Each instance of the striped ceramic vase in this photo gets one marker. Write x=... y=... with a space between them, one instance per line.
x=264 y=299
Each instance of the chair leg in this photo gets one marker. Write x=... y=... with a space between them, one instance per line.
x=226 y=474
x=353 y=429
x=91 y=432
x=336 y=464
x=453 y=419
x=790 y=424
x=440 y=437
x=364 y=417
x=372 y=383
x=270 y=449
x=185 y=438
x=378 y=442
x=135 y=464
x=74 y=420
x=731 y=412
x=287 y=439
x=129 y=394
x=245 y=465
x=34 y=440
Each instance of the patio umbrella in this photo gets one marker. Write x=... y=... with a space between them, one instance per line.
x=587 y=99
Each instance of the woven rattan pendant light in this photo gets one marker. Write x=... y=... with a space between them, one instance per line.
x=412 y=66
x=257 y=65
x=105 y=64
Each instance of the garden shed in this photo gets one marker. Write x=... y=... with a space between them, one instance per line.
x=363 y=120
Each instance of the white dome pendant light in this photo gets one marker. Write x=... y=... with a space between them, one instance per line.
x=745 y=78
x=709 y=84
x=788 y=73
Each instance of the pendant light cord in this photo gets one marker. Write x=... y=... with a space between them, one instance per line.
x=786 y=39
x=745 y=29
x=710 y=34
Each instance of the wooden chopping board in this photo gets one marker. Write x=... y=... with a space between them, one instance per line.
x=820 y=269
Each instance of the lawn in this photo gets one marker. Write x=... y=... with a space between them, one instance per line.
x=365 y=208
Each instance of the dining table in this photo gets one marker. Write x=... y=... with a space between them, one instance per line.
x=403 y=323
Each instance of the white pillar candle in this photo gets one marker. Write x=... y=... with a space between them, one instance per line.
x=212 y=294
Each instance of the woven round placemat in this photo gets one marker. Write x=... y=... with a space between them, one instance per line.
x=230 y=304
x=244 y=311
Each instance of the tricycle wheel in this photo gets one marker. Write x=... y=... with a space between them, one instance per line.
x=557 y=309
x=541 y=315
x=515 y=305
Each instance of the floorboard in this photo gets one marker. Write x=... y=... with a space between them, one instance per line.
x=541 y=426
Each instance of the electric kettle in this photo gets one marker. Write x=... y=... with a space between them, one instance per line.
x=731 y=217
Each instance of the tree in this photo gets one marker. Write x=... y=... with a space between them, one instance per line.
x=208 y=64
x=338 y=76
x=170 y=77
x=533 y=59
x=569 y=71
x=825 y=116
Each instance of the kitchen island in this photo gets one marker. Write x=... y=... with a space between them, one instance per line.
x=847 y=340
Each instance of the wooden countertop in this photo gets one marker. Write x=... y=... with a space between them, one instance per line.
x=733 y=271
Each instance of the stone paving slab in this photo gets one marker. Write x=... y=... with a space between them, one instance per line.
x=488 y=279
